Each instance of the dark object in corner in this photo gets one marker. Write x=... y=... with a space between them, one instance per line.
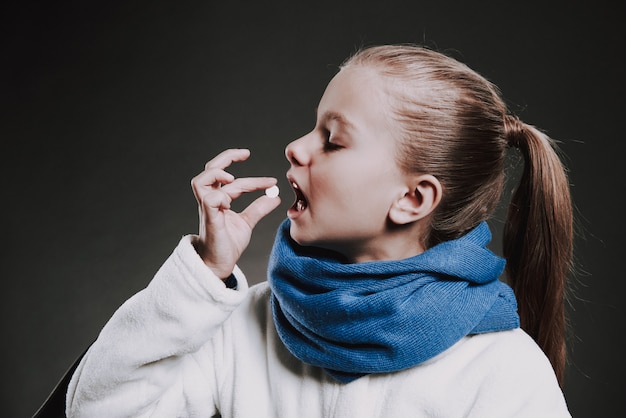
x=54 y=405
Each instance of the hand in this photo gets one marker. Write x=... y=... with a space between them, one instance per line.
x=225 y=234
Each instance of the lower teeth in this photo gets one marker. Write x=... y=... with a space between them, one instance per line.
x=300 y=205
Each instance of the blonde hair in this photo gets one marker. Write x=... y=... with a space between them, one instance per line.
x=454 y=124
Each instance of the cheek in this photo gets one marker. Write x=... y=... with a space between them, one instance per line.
x=329 y=193
x=339 y=188
x=356 y=186
x=354 y=197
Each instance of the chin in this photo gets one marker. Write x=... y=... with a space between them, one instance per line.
x=299 y=238
x=317 y=245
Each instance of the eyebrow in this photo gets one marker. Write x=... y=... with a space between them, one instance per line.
x=336 y=116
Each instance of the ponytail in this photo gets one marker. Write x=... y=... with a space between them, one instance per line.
x=538 y=241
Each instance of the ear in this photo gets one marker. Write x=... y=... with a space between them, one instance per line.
x=419 y=201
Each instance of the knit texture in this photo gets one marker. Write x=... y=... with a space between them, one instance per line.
x=385 y=316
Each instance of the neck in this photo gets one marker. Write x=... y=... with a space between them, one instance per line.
x=396 y=243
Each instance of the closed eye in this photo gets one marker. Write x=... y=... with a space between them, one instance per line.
x=328 y=144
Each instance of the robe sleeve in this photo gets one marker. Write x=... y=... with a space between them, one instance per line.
x=152 y=356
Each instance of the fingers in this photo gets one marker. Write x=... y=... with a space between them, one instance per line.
x=215 y=188
x=212 y=179
x=221 y=198
x=214 y=174
x=247 y=184
x=258 y=209
x=226 y=158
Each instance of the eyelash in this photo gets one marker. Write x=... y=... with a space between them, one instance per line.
x=330 y=146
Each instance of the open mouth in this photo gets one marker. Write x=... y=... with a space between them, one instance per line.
x=301 y=203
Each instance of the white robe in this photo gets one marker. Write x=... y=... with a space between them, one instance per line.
x=187 y=346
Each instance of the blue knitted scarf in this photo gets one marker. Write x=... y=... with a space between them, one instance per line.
x=385 y=316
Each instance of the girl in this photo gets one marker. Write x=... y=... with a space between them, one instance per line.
x=382 y=298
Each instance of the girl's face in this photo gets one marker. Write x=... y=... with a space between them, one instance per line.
x=344 y=172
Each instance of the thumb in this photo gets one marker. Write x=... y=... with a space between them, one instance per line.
x=258 y=209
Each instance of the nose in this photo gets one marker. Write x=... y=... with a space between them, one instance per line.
x=296 y=152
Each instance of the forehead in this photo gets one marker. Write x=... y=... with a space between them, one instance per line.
x=356 y=95
x=355 y=81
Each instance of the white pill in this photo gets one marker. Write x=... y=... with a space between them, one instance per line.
x=272 y=191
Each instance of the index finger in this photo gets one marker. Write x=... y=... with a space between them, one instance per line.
x=226 y=158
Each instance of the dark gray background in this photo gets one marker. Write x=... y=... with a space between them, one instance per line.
x=110 y=108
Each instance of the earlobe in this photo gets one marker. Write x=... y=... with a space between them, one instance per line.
x=418 y=202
